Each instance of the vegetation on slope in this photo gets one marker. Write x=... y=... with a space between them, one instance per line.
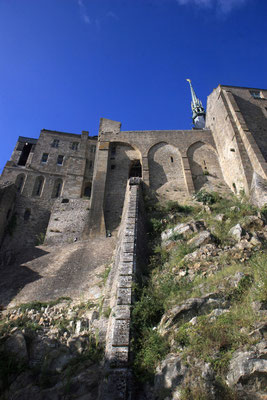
x=172 y=278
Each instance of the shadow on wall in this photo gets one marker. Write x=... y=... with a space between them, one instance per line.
x=256 y=122
x=157 y=174
x=124 y=161
x=203 y=163
x=15 y=275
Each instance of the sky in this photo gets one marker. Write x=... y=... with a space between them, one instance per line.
x=64 y=64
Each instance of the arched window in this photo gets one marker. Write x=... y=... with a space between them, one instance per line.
x=19 y=182
x=57 y=188
x=87 y=190
x=38 y=186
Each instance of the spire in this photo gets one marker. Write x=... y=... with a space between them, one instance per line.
x=198 y=110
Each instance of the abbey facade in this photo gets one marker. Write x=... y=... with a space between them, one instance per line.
x=64 y=187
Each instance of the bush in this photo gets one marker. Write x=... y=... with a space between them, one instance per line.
x=207 y=197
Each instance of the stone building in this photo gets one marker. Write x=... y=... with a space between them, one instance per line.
x=67 y=186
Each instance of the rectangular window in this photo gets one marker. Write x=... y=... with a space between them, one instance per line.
x=113 y=150
x=74 y=145
x=60 y=160
x=55 y=143
x=112 y=166
x=256 y=94
x=93 y=149
x=44 y=158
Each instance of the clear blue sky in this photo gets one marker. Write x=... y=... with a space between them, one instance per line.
x=66 y=63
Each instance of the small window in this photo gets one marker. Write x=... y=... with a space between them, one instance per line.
x=19 y=182
x=8 y=214
x=57 y=188
x=171 y=159
x=74 y=145
x=93 y=149
x=44 y=158
x=55 y=143
x=113 y=150
x=60 y=160
x=27 y=214
x=38 y=186
x=256 y=94
x=91 y=164
x=112 y=166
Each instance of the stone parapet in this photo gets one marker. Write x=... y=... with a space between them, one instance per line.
x=118 y=337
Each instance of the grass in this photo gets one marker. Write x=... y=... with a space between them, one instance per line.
x=212 y=340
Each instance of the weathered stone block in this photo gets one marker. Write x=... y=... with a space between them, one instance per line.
x=119 y=357
x=125 y=281
x=121 y=333
x=124 y=296
x=122 y=312
x=126 y=268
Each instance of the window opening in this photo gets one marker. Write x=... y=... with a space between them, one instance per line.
x=74 y=145
x=44 y=158
x=19 y=182
x=113 y=150
x=27 y=214
x=25 y=154
x=60 y=160
x=171 y=159
x=87 y=191
x=91 y=164
x=57 y=188
x=55 y=143
x=38 y=186
x=112 y=166
x=136 y=169
x=65 y=201
x=256 y=94
x=8 y=214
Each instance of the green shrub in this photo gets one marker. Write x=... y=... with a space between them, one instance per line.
x=207 y=197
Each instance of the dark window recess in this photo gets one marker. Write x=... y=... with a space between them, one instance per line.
x=57 y=188
x=25 y=154
x=93 y=149
x=233 y=150
x=113 y=150
x=44 y=158
x=27 y=214
x=60 y=160
x=87 y=191
x=91 y=164
x=38 y=186
x=65 y=201
x=112 y=166
x=136 y=169
x=55 y=143
x=171 y=159
x=19 y=182
x=256 y=94
x=74 y=145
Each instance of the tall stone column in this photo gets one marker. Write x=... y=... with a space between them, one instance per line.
x=96 y=226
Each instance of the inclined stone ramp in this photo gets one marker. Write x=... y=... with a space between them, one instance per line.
x=46 y=273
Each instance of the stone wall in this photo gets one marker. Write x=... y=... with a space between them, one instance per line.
x=121 y=156
x=128 y=256
x=239 y=143
x=67 y=221
x=30 y=218
x=7 y=203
